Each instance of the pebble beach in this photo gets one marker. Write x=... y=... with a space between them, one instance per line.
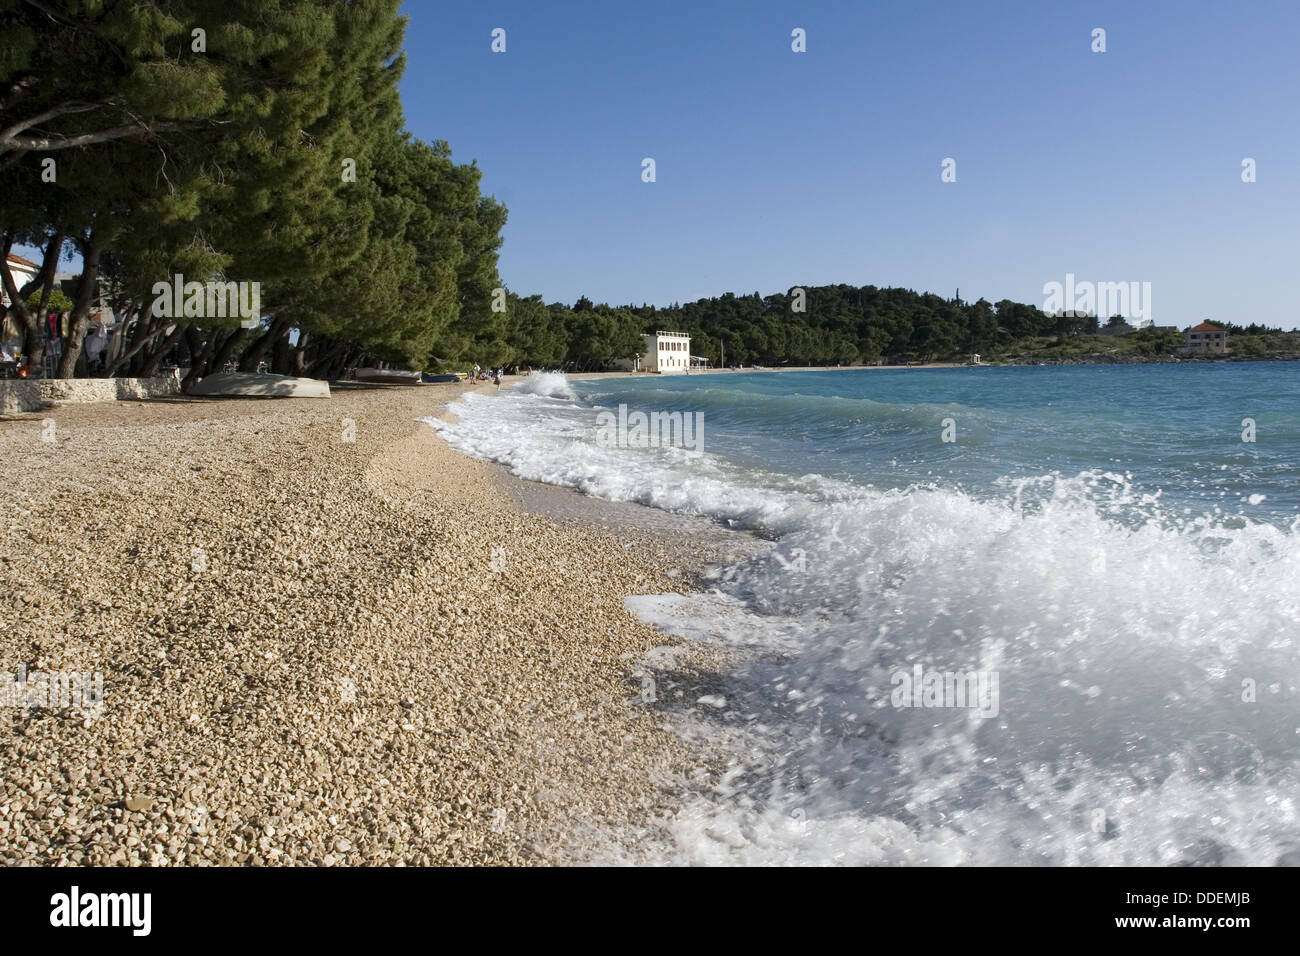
x=325 y=638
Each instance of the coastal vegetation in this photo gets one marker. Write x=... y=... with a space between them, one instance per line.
x=850 y=325
x=244 y=141
x=262 y=143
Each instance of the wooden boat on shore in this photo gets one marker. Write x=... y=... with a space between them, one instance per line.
x=387 y=376
x=260 y=385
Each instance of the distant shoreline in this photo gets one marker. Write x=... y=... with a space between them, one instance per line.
x=1173 y=360
x=576 y=376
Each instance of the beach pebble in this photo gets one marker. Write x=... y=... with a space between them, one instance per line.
x=344 y=681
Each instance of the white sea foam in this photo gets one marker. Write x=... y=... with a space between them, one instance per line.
x=1147 y=670
x=548 y=384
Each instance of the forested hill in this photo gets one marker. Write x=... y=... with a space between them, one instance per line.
x=844 y=324
x=838 y=325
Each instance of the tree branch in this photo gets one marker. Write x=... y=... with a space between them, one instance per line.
x=47 y=143
x=61 y=110
x=17 y=90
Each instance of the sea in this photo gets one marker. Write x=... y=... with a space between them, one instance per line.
x=1009 y=615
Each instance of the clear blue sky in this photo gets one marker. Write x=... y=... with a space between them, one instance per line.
x=777 y=169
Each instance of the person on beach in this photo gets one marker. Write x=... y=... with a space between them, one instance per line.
x=496 y=376
x=95 y=345
x=9 y=360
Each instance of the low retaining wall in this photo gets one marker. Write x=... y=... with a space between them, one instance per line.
x=19 y=395
x=30 y=395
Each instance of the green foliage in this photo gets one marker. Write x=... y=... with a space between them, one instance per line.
x=840 y=325
x=845 y=325
x=233 y=163
x=57 y=302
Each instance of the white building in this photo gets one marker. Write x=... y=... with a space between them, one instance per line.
x=23 y=271
x=667 y=352
x=1206 y=337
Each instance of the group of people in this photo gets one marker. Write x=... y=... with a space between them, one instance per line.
x=13 y=362
x=486 y=375
x=95 y=345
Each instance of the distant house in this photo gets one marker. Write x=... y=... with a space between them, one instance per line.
x=1206 y=337
x=100 y=310
x=1115 y=328
x=666 y=352
x=23 y=271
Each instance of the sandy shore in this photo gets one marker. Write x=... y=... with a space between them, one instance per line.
x=311 y=652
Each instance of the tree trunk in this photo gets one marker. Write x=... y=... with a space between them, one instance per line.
x=325 y=361
x=114 y=340
x=81 y=310
x=150 y=364
x=227 y=349
x=216 y=353
x=33 y=332
x=141 y=336
x=200 y=355
x=299 y=358
x=282 y=355
x=248 y=363
x=145 y=335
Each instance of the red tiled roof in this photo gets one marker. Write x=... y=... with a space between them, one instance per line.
x=26 y=263
x=1206 y=327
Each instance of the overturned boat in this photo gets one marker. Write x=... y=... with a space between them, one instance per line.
x=387 y=376
x=260 y=385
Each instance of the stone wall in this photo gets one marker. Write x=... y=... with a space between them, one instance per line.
x=30 y=395
x=19 y=395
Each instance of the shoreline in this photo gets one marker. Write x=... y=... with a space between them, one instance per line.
x=1089 y=360
x=477 y=620
x=576 y=376
x=312 y=653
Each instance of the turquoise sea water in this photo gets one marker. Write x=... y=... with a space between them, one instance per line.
x=1098 y=550
x=1171 y=430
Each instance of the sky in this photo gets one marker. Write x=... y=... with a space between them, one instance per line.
x=776 y=169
